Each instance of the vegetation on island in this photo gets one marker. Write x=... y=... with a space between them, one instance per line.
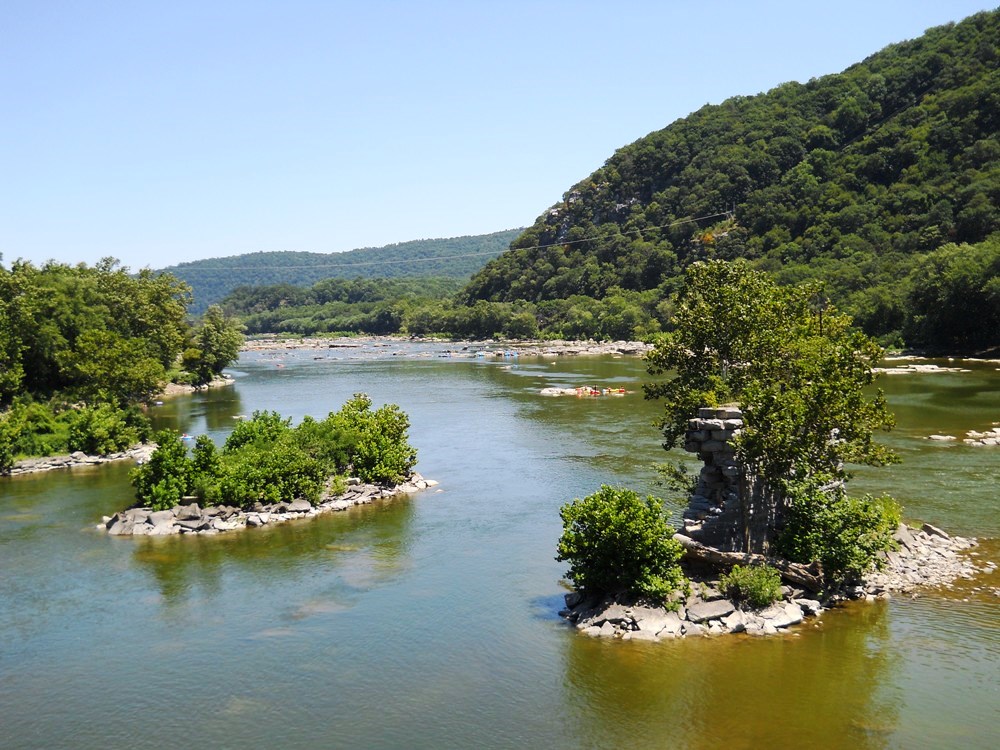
x=802 y=377
x=82 y=348
x=266 y=460
x=619 y=543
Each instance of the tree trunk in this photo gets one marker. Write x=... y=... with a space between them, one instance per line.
x=806 y=576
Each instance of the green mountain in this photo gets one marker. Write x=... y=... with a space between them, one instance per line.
x=854 y=178
x=456 y=257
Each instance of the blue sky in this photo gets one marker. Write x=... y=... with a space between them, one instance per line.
x=162 y=132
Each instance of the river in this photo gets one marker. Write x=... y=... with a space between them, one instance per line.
x=431 y=621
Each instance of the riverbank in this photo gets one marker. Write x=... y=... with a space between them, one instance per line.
x=927 y=558
x=178 y=389
x=216 y=519
x=451 y=347
x=78 y=458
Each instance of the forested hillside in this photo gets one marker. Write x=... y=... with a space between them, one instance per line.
x=878 y=180
x=455 y=257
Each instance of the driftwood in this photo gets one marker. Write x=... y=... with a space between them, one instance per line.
x=806 y=576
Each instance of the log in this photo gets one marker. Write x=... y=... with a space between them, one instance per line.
x=806 y=576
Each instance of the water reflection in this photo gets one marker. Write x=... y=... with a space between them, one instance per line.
x=361 y=548
x=823 y=686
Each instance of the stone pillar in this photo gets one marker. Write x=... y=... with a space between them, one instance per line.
x=713 y=514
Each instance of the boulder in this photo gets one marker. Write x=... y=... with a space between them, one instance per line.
x=702 y=611
x=299 y=506
x=781 y=615
x=934 y=531
x=187 y=512
x=161 y=518
x=672 y=625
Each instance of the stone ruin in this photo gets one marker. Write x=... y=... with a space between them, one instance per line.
x=730 y=509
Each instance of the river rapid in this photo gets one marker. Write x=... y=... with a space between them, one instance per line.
x=431 y=621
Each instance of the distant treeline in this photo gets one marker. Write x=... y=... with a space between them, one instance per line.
x=950 y=302
x=455 y=258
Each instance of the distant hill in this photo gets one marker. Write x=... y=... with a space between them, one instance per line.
x=455 y=257
x=854 y=178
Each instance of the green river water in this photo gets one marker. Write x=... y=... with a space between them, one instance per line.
x=431 y=621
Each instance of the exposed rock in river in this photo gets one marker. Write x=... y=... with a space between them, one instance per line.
x=192 y=519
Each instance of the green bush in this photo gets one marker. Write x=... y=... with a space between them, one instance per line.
x=278 y=472
x=380 y=452
x=105 y=428
x=844 y=534
x=617 y=543
x=757 y=585
x=167 y=476
x=262 y=427
x=36 y=430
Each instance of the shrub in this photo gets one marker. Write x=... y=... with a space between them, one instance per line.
x=105 y=428
x=757 y=585
x=167 y=476
x=617 y=543
x=380 y=452
x=262 y=427
x=845 y=534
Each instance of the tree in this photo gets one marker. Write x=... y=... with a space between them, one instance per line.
x=618 y=543
x=796 y=367
x=217 y=345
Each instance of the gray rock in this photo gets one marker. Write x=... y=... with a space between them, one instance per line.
x=810 y=607
x=193 y=524
x=673 y=625
x=187 y=512
x=701 y=611
x=121 y=527
x=934 y=531
x=693 y=629
x=161 y=518
x=607 y=630
x=782 y=614
x=299 y=506
x=640 y=635
x=734 y=622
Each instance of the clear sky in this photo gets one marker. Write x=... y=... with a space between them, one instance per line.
x=161 y=132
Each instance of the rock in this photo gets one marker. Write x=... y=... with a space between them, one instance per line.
x=161 y=518
x=904 y=537
x=934 y=531
x=187 y=512
x=607 y=630
x=782 y=614
x=810 y=607
x=193 y=524
x=673 y=625
x=701 y=611
x=121 y=527
x=693 y=629
x=734 y=622
x=299 y=506
x=651 y=619
x=572 y=599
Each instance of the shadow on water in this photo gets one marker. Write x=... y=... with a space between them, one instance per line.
x=823 y=686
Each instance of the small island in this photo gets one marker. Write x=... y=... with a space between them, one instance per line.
x=269 y=471
x=770 y=534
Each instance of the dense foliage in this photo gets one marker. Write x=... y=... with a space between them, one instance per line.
x=802 y=377
x=756 y=585
x=454 y=258
x=844 y=534
x=266 y=460
x=81 y=346
x=855 y=178
x=618 y=543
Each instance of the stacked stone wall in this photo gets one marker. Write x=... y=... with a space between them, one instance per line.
x=714 y=514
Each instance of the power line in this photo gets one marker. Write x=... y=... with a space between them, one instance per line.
x=451 y=257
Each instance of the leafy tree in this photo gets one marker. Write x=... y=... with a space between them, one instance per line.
x=799 y=372
x=380 y=450
x=617 y=543
x=105 y=428
x=167 y=476
x=217 y=345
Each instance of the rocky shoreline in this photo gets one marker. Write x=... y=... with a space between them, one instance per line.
x=927 y=557
x=177 y=389
x=49 y=463
x=458 y=347
x=216 y=519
